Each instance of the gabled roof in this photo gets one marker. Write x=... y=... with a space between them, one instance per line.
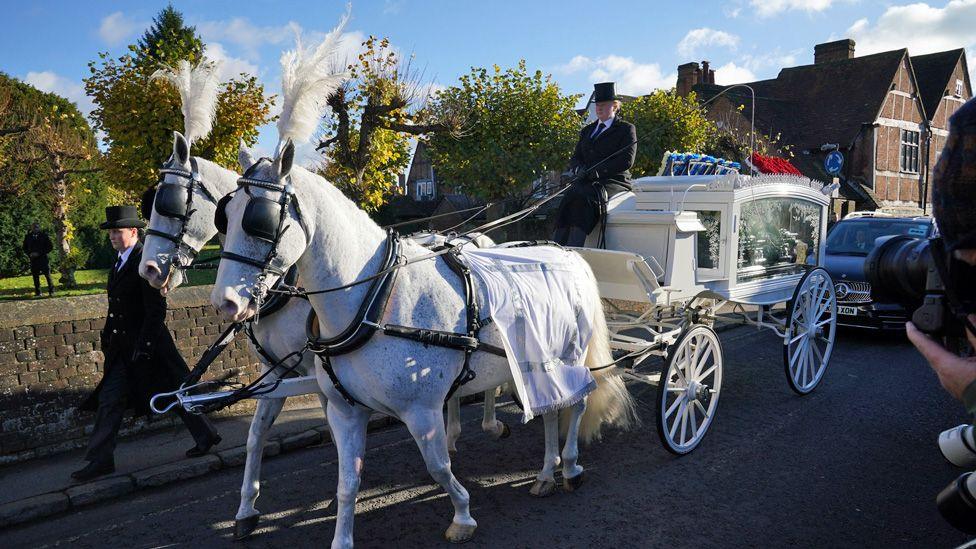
x=811 y=103
x=933 y=72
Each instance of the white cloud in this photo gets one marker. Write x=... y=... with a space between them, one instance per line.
x=769 y=8
x=240 y=32
x=919 y=27
x=704 y=37
x=230 y=66
x=730 y=73
x=71 y=90
x=116 y=27
x=632 y=77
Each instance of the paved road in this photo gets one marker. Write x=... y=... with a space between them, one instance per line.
x=855 y=464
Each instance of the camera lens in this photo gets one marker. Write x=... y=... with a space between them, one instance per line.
x=958 y=445
x=897 y=268
x=957 y=503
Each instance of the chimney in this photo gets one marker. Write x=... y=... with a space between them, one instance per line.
x=708 y=75
x=688 y=75
x=833 y=51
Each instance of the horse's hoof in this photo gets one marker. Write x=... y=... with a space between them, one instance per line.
x=572 y=484
x=506 y=432
x=543 y=488
x=460 y=533
x=245 y=526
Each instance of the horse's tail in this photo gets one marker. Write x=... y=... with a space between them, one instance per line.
x=610 y=403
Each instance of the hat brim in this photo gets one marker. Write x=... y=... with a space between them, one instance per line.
x=123 y=224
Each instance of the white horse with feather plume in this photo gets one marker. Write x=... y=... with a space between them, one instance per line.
x=173 y=242
x=284 y=215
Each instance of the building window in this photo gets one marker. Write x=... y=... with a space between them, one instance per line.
x=959 y=88
x=425 y=189
x=909 y=151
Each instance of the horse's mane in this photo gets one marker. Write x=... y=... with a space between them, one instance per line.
x=308 y=77
x=198 y=87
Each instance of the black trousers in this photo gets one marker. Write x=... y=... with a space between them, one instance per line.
x=112 y=402
x=37 y=269
x=581 y=209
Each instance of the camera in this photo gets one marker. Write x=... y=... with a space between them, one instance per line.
x=920 y=275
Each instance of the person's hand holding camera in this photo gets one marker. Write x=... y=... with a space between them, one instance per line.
x=955 y=373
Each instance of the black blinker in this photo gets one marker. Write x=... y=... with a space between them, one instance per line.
x=146 y=204
x=220 y=216
x=261 y=217
x=171 y=201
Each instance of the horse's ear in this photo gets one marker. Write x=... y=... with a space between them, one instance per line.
x=285 y=159
x=244 y=157
x=181 y=148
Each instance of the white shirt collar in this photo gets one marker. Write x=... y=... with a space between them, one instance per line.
x=125 y=255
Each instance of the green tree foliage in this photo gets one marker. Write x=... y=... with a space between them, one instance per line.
x=48 y=174
x=519 y=127
x=389 y=154
x=138 y=115
x=666 y=121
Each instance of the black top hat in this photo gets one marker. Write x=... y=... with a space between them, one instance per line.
x=122 y=217
x=604 y=91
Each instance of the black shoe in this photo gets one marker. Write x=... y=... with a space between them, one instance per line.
x=202 y=449
x=94 y=469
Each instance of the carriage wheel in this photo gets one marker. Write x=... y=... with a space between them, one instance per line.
x=810 y=329
x=688 y=394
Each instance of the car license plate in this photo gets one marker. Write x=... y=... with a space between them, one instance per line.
x=849 y=311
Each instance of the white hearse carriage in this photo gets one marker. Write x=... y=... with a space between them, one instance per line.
x=684 y=249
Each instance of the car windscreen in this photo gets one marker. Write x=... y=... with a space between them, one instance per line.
x=856 y=237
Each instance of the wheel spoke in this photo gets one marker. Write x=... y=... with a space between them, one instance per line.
x=703 y=411
x=674 y=426
x=674 y=405
x=701 y=363
x=816 y=348
x=694 y=422
x=684 y=424
x=707 y=372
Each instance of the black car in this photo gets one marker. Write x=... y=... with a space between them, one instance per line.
x=848 y=244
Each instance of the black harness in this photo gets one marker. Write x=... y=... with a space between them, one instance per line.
x=264 y=219
x=175 y=201
x=366 y=323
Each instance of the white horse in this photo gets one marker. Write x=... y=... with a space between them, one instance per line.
x=334 y=243
x=272 y=332
x=157 y=266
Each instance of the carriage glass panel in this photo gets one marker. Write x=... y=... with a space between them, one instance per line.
x=708 y=247
x=777 y=236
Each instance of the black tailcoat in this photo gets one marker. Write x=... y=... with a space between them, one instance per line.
x=40 y=244
x=618 y=145
x=136 y=321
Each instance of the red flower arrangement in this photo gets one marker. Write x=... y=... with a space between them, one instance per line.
x=772 y=164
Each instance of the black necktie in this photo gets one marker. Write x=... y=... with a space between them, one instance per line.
x=599 y=129
x=118 y=265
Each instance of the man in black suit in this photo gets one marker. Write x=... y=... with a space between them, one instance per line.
x=141 y=358
x=608 y=140
x=37 y=245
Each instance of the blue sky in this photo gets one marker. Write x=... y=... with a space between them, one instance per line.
x=638 y=44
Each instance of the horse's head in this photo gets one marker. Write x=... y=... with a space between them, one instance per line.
x=181 y=211
x=266 y=233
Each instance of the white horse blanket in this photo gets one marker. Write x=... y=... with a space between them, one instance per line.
x=534 y=298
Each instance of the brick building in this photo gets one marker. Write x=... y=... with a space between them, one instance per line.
x=887 y=112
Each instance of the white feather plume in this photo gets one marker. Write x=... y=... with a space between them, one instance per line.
x=198 y=87
x=308 y=77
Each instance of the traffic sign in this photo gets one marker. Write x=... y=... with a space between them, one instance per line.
x=834 y=162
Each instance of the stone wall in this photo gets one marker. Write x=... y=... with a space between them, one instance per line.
x=50 y=361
